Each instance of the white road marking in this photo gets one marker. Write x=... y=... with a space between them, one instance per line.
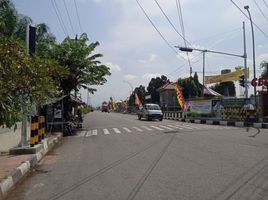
x=138 y=129
x=95 y=132
x=116 y=130
x=148 y=129
x=165 y=127
x=127 y=130
x=157 y=128
x=105 y=131
x=172 y=126
x=88 y=134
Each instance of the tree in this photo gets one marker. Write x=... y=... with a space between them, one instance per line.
x=8 y=18
x=24 y=80
x=189 y=87
x=154 y=84
x=220 y=87
x=141 y=92
x=264 y=67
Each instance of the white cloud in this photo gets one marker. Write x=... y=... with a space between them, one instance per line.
x=113 y=67
x=130 y=77
x=149 y=76
x=152 y=57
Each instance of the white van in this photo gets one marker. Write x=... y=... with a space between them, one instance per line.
x=150 y=111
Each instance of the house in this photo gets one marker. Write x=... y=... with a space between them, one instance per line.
x=168 y=98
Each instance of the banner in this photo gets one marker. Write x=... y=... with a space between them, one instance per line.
x=202 y=106
x=137 y=101
x=232 y=76
x=180 y=97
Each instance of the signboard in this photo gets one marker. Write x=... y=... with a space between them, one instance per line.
x=260 y=81
x=202 y=106
x=232 y=76
x=235 y=102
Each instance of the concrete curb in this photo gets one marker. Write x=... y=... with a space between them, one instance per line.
x=221 y=122
x=7 y=184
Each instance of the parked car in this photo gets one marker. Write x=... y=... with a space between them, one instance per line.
x=150 y=111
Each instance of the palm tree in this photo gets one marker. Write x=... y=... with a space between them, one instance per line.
x=8 y=18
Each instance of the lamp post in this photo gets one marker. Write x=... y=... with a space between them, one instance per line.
x=253 y=51
x=187 y=49
x=129 y=85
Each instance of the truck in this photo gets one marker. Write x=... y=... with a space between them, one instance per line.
x=104 y=107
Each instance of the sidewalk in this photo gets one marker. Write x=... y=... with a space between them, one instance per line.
x=14 y=167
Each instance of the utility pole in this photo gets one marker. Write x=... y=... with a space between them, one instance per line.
x=245 y=61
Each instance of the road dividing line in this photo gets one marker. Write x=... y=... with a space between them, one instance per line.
x=127 y=130
x=138 y=129
x=95 y=132
x=157 y=128
x=165 y=127
x=106 y=132
x=148 y=129
x=88 y=134
x=116 y=130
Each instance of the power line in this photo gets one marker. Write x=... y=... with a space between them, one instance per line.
x=144 y=12
x=249 y=19
x=55 y=7
x=68 y=16
x=81 y=30
x=265 y=3
x=260 y=10
x=179 y=10
x=170 y=22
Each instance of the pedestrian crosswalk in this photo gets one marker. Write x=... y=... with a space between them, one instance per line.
x=147 y=129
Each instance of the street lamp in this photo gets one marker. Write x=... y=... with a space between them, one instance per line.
x=187 y=49
x=129 y=85
x=253 y=50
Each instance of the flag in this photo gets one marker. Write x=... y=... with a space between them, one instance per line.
x=180 y=97
x=137 y=101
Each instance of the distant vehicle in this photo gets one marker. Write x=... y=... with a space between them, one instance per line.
x=150 y=111
x=104 y=107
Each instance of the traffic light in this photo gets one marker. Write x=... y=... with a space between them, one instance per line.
x=242 y=81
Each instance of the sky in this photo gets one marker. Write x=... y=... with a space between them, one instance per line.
x=136 y=52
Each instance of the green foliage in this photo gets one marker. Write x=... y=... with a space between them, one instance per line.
x=198 y=115
x=220 y=88
x=84 y=67
x=264 y=67
x=8 y=18
x=141 y=92
x=24 y=80
x=190 y=87
x=154 y=84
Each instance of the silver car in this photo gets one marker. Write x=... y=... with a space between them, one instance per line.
x=150 y=111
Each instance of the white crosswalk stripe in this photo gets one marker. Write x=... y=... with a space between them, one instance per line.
x=148 y=129
x=88 y=134
x=166 y=127
x=172 y=126
x=127 y=130
x=138 y=129
x=116 y=130
x=95 y=132
x=157 y=128
x=106 y=132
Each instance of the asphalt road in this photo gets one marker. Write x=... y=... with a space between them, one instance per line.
x=117 y=157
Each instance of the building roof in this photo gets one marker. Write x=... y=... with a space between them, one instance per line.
x=167 y=86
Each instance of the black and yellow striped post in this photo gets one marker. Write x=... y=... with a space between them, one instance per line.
x=32 y=140
x=43 y=127
x=39 y=129
x=36 y=129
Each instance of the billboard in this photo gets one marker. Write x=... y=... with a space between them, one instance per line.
x=232 y=76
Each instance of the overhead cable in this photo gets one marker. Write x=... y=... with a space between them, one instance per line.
x=170 y=46
x=77 y=14
x=260 y=10
x=249 y=19
x=55 y=7
x=170 y=22
x=69 y=18
x=179 y=10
